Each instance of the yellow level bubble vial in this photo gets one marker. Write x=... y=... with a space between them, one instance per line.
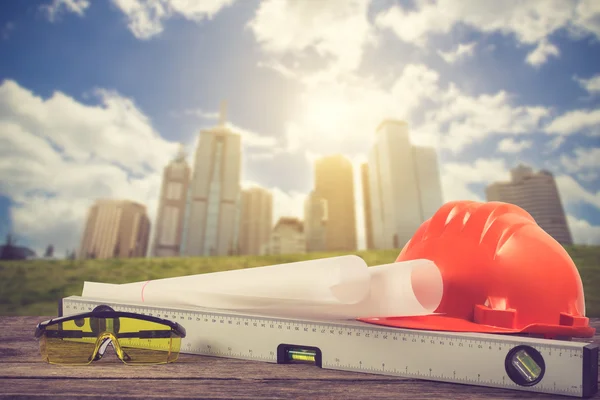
x=294 y=354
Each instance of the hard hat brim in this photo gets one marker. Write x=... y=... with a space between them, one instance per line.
x=449 y=324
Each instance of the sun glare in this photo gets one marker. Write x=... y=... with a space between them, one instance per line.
x=325 y=115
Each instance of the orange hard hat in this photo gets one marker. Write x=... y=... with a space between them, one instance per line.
x=502 y=273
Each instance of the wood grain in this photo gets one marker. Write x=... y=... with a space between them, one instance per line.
x=23 y=376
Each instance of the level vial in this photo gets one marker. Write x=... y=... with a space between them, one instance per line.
x=301 y=355
x=526 y=365
x=298 y=354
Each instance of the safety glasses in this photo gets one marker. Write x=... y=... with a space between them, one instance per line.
x=83 y=338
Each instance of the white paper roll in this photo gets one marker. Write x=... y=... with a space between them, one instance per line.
x=330 y=288
x=334 y=280
x=408 y=288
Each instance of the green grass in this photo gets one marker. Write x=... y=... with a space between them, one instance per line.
x=34 y=287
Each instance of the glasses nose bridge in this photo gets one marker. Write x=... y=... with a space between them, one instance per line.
x=112 y=338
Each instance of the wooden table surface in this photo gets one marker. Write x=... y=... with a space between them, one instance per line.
x=24 y=375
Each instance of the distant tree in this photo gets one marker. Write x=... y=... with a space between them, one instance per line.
x=49 y=251
x=9 y=250
x=72 y=255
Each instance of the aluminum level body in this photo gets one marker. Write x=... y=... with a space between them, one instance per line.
x=570 y=368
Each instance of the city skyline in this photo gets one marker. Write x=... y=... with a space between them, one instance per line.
x=488 y=85
x=399 y=194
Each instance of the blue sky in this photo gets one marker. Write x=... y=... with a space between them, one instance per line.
x=94 y=96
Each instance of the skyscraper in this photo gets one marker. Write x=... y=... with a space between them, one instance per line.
x=334 y=182
x=256 y=220
x=212 y=205
x=364 y=175
x=171 y=207
x=315 y=222
x=428 y=180
x=404 y=185
x=115 y=228
x=536 y=193
x=287 y=237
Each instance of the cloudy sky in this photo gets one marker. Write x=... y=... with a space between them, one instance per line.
x=96 y=94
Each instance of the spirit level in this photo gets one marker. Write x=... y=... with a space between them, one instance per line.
x=501 y=361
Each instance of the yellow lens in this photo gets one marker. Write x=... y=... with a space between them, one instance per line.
x=69 y=343
x=146 y=342
x=139 y=342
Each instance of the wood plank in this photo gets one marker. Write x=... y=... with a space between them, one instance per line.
x=227 y=388
x=196 y=367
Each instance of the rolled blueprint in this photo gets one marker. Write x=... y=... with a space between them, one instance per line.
x=330 y=288
x=335 y=280
x=400 y=289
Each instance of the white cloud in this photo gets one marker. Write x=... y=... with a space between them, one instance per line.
x=591 y=85
x=574 y=121
x=541 y=53
x=554 y=144
x=471 y=119
x=340 y=112
x=572 y=193
x=57 y=7
x=280 y=69
x=196 y=112
x=531 y=22
x=588 y=176
x=252 y=139
x=510 y=145
x=145 y=17
x=333 y=28
x=85 y=133
x=584 y=158
x=456 y=177
x=461 y=52
x=57 y=156
x=586 y=18
x=583 y=232
x=417 y=84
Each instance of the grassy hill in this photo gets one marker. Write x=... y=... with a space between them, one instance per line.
x=34 y=287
